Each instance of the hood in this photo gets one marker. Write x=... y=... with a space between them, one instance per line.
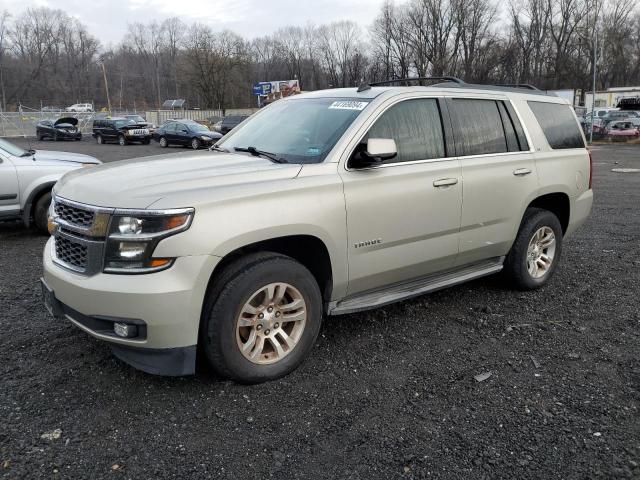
x=68 y=120
x=214 y=135
x=141 y=182
x=48 y=156
x=133 y=126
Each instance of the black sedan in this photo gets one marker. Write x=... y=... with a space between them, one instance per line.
x=65 y=128
x=187 y=133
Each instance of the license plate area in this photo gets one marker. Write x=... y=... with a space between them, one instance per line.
x=49 y=300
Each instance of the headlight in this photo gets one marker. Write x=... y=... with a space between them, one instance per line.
x=133 y=237
x=206 y=139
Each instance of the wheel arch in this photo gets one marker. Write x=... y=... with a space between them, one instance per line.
x=307 y=249
x=557 y=203
x=32 y=199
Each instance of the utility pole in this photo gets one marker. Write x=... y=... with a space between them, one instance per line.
x=106 y=86
x=595 y=67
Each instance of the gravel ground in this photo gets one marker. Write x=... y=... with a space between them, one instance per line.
x=386 y=394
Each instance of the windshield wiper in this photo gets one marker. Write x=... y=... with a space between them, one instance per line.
x=261 y=153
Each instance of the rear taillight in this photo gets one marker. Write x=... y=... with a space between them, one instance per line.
x=590 y=169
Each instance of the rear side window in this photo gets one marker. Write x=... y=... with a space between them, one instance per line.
x=558 y=124
x=416 y=126
x=480 y=129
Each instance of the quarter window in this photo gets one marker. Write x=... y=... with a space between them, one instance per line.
x=416 y=126
x=558 y=124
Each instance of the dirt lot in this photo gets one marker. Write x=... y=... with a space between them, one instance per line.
x=386 y=394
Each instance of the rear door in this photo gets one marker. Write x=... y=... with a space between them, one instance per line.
x=499 y=172
x=9 y=188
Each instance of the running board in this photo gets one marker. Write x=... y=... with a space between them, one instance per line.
x=414 y=288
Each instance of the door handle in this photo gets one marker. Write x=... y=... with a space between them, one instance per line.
x=521 y=172
x=445 y=182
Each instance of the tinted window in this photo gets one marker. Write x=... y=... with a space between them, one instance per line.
x=416 y=127
x=480 y=129
x=509 y=130
x=558 y=124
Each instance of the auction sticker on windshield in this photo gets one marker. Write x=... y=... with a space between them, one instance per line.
x=348 y=105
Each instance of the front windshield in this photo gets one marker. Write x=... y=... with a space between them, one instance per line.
x=196 y=127
x=297 y=130
x=122 y=123
x=136 y=118
x=12 y=149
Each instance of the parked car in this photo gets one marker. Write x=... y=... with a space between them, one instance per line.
x=65 y=128
x=231 y=122
x=80 y=107
x=617 y=115
x=140 y=120
x=320 y=204
x=26 y=178
x=185 y=132
x=121 y=130
x=622 y=130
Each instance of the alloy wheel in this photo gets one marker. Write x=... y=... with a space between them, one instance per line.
x=541 y=252
x=271 y=323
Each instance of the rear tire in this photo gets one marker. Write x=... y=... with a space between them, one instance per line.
x=287 y=296
x=41 y=212
x=535 y=254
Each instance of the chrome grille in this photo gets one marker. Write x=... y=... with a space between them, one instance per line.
x=74 y=215
x=71 y=253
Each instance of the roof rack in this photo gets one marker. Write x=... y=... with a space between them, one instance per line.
x=367 y=86
x=517 y=85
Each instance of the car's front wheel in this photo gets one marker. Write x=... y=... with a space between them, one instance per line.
x=121 y=140
x=163 y=142
x=99 y=139
x=41 y=212
x=261 y=318
x=195 y=143
x=535 y=254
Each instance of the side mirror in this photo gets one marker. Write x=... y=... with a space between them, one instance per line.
x=374 y=152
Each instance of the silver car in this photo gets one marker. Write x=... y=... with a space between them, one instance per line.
x=27 y=177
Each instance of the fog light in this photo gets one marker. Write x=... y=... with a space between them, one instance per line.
x=125 y=330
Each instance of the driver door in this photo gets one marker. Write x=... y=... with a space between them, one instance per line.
x=403 y=216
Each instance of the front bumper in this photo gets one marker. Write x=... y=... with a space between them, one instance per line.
x=166 y=306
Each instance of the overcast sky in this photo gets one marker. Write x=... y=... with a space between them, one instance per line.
x=107 y=19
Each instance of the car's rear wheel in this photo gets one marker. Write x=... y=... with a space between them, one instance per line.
x=535 y=254
x=261 y=318
x=163 y=142
x=41 y=212
x=121 y=140
x=195 y=143
x=99 y=139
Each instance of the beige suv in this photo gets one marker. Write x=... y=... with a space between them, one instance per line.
x=325 y=203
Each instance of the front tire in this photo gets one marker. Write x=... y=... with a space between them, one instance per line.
x=41 y=212
x=535 y=254
x=163 y=142
x=99 y=139
x=261 y=318
x=195 y=143
x=121 y=140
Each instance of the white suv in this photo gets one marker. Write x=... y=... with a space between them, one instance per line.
x=324 y=203
x=80 y=107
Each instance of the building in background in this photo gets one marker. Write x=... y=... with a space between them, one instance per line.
x=611 y=96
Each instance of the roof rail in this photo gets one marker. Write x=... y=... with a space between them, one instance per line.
x=518 y=85
x=367 y=86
